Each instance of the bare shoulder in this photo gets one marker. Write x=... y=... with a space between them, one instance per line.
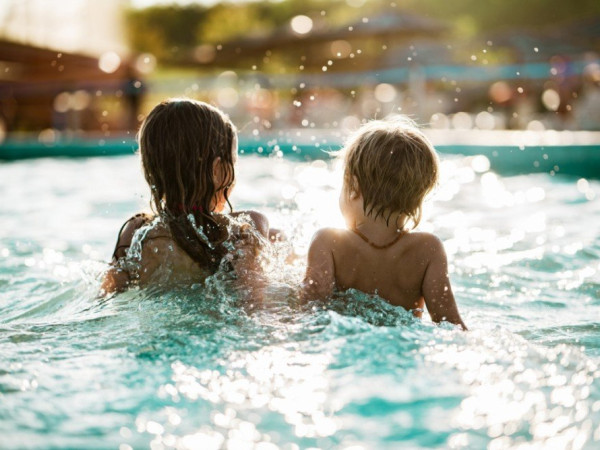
x=116 y=278
x=327 y=237
x=429 y=240
x=127 y=232
x=428 y=247
x=319 y=280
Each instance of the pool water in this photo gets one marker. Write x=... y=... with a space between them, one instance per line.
x=190 y=368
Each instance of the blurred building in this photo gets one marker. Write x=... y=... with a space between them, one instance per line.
x=64 y=68
x=332 y=71
x=48 y=89
x=398 y=61
x=89 y=27
x=359 y=45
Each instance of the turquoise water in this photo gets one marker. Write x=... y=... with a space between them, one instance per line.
x=195 y=369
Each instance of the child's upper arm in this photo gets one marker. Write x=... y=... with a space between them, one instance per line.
x=126 y=235
x=436 y=288
x=260 y=221
x=115 y=278
x=319 y=280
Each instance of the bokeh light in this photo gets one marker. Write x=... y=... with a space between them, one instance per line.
x=439 y=121
x=109 y=62
x=536 y=125
x=205 y=53
x=80 y=100
x=385 y=92
x=227 y=97
x=462 y=121
x=551 y=99
x=485 y=121
x=341 y=48
x=301 y=24
x=500 y=92
x=62 y=102
x=145 y=63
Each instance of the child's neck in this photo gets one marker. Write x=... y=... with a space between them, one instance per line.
x=378 y=229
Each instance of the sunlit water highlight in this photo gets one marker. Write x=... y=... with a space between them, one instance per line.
x=192 y=369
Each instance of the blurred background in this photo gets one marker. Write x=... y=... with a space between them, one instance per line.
x=90 y=70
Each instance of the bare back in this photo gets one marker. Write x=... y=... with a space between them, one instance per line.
x=411 y=273
x=395 y=273
x=146 y=253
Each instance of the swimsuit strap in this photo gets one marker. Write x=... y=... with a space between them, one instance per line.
x=379 y=247
x=144 y=220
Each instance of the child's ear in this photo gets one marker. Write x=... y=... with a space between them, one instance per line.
x=355 y=189
x=217 y=170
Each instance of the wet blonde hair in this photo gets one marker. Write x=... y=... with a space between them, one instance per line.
x=394 y=165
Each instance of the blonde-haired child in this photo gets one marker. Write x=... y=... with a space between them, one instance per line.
x=390 y=166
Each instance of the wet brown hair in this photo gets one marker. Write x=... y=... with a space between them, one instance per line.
x=179 y=141
x=394 y=165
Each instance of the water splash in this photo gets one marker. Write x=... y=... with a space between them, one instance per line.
x=193 y=366
x=199 y=229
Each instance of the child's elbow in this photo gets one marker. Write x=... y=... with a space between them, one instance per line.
x=453 y=320
x=114 y=281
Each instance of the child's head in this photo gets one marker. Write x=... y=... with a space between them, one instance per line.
x=393 y=166
x=188 y=151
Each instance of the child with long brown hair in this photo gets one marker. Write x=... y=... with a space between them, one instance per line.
x=188 y=151
x=390 y=166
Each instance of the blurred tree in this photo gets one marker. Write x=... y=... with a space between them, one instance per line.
x=170 y=31
x=165 y=30
x=227 y=21
x=475 y=16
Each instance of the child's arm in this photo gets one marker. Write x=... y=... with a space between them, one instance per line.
x=258 y=220
x=249 y=243
x=436 y=286
x=115 y=278
x=319 y=280
x=261 y=223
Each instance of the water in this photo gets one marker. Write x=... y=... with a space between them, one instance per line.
x=194 y=369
